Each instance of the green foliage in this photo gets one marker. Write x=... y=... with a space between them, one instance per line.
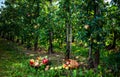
x=29 y=22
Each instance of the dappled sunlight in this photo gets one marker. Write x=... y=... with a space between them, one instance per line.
x=60 y=38
x=19 y=64
x=73 y=44
x=31 y=55
x=15 y=65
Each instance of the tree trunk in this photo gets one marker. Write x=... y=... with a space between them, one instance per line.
x=97 y=51
x=18 y=40
x=90 y=58
x=68 y=31
x=73 y=39
x=69 y=40
x=2 y=35
x=50 y=48
x=36 y=43
x=96 y=58
x=22 y=40
x=68 y=50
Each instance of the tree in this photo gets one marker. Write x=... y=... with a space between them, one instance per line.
x=50 y=30
x=93 y=29
x=113 y=24
x=65 y=7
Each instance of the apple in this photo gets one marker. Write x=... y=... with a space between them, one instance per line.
x=67 y=68
x=86 y=27
x=32 y=61
x=36 y=64
x=38 y=58
x=64 y=65
x=67 y=62
x=45 y=61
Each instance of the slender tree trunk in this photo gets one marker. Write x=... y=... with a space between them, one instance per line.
x=2 y=34
x=37 y=35
x=97 y=51
x=50 y=48
x=96 y=57
x=22 y=40
x=90 y=58
x=18 y=40
x=68 y=50
x=36 y=43
x=68 y=31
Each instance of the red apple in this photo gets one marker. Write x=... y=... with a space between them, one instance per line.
x=45 y=61
x=32 y=62
x=67 y=62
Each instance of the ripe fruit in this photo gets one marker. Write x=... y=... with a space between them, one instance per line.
x=72 y=63
x=86 y=27
x=64 y=65
x=32 y=61
x=45 y=61
x=36 y=64
x=67 y=68
x=47 y=67
x=38 y=58
x=67 y=62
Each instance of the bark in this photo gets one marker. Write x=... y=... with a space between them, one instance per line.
x=90 y=58
x=68 y=31
x=96 y=58
x=68 y=50
x=50 y=48
x=2 y=34
x=22 y=40
x=17 y=39
x=97 y=51
x=37 y=36
x=36 y=43
x=73 y=39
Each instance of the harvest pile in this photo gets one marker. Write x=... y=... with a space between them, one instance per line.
x=44 y=62
x=40 y=62
x=70 y=64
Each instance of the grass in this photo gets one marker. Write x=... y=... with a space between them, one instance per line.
x=14 y=62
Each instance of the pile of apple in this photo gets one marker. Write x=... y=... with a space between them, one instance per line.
x=39 y=61
x=66 y=65
x=70 y=64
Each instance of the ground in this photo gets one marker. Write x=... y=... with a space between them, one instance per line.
x=13 y=56
x=14 y=62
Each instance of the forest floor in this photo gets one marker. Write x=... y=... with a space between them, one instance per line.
x=13 y=56
x=14 y=61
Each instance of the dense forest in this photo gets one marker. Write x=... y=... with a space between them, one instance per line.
x=86 y=32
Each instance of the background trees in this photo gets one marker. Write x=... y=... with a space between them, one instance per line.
x=59 y=24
